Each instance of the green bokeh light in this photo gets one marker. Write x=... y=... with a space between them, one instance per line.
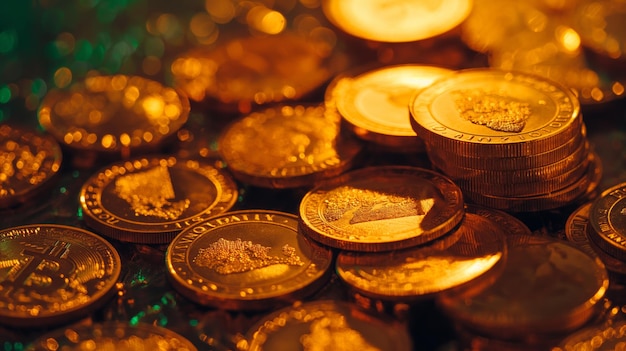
x=8 y=41
x=5 y=94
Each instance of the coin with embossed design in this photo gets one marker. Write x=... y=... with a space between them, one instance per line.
x=287 y=147
x=607 y=218
x=374 y=103
x=150 y=200
x=605 y=337
x=112 y=336
x=326 y=325
x=477 y=248
x=250 y=259
x=547 y=286
x=492 y=113
x=578 y=230
x=381 y=208
x=29 y=161
x=51 y=274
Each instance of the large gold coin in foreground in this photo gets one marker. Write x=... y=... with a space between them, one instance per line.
x=51 y=274
x=382 y=208
x=251 y=259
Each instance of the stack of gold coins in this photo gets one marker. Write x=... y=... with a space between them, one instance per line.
x=512 y=141
x=373 y=103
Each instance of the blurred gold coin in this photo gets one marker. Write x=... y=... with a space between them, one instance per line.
x=494 y=113
x=113 y=114
x=478 y=246
x=600 y=25
x=250 y=260
x=29 y=161
x=287 y=147
x=381 y=208
x=52 y=274
x=608 y=337
x=326 y=325
x=252 y=71
x=150 y=200
x=112 y=336
x=547 y=286
x=374 y=103
x=396 y=21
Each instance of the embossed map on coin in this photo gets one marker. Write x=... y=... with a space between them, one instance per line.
x=149 y=193
x=362 y=209
x=238 y=256
x=492 y=109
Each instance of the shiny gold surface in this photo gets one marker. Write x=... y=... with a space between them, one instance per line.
x=252 y=259
x=28 y=161
x=429 y=269
x=547 y=286
x=326 y=325
x=396 y=21
x=381 y=208
x=374 y=103
x=113 y=113
x=112 y=336
x=287 y=147
x=491 y=113
x=601 y=26
x=150 y=200
x=52 y=274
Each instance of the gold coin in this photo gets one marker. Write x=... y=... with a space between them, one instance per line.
x=547 y=286
x=577 y=231
x=257 y=70
x=607 y=224
x=252 y=259
x=150 y=200
x=423 y=271
x=607 y=337
x=287 y=147
x=326 y=325
x=52 y=274
x=112 y=336
x=578 y=190
x=494 y=113
x=397 y=21
x=113 y=114
x=29 y=163
x=374 y=103
x=382 y=208
x=442 y=156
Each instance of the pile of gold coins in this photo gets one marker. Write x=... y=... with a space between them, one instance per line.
x=389 y=211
